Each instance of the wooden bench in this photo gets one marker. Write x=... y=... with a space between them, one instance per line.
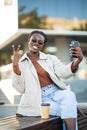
x=30 y=123
x=82 y=123
x=82 y=117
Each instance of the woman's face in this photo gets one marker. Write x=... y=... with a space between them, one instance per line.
x=36 y=42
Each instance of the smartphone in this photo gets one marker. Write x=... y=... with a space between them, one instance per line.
x=75 y=43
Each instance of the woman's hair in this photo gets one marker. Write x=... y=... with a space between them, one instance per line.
x=39 y=32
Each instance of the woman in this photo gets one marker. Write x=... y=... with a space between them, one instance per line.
x=38 y=77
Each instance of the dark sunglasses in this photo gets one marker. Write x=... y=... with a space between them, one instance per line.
x=39 y=42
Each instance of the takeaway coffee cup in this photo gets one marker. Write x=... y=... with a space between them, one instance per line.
x=45 y=110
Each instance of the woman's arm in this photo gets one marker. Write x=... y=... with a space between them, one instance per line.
x=76 y=52
x=18 y=81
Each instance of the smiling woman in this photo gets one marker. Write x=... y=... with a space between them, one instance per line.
x=37 y=76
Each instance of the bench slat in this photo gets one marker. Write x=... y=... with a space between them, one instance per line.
x=30 y=123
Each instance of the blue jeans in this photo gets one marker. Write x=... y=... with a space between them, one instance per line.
x=62 y=102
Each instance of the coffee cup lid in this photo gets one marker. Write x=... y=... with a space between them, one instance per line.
x=45 y=104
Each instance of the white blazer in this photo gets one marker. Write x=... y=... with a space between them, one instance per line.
x=28 y=83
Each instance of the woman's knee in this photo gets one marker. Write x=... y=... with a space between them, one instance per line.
x=65 y=95
x=70 y=94
x=70 y=97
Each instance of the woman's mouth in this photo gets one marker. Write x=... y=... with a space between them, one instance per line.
x=35 y=47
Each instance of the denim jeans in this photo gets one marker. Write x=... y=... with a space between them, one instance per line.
x=62 y=102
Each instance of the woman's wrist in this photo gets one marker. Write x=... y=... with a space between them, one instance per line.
x=16 y=69
x=74 y=67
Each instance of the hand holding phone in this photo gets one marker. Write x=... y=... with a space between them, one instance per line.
x=73 y=46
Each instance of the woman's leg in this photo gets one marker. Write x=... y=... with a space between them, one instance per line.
x=70 y=123
x=62 y=103
x=68 y=108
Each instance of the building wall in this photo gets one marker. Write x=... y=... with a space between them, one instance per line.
x=8 y=19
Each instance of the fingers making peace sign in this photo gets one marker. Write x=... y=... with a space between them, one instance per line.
x=16 y=54
x=16 y=58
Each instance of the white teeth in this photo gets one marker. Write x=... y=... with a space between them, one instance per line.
x=35 y=47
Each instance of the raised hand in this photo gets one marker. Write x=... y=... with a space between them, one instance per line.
x=15 y=60
x=16 y=55
x=76 y=52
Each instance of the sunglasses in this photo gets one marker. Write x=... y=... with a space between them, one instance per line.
x=39 y=42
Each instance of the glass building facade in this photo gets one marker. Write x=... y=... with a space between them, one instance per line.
x=67 y=9
x=58 y=14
